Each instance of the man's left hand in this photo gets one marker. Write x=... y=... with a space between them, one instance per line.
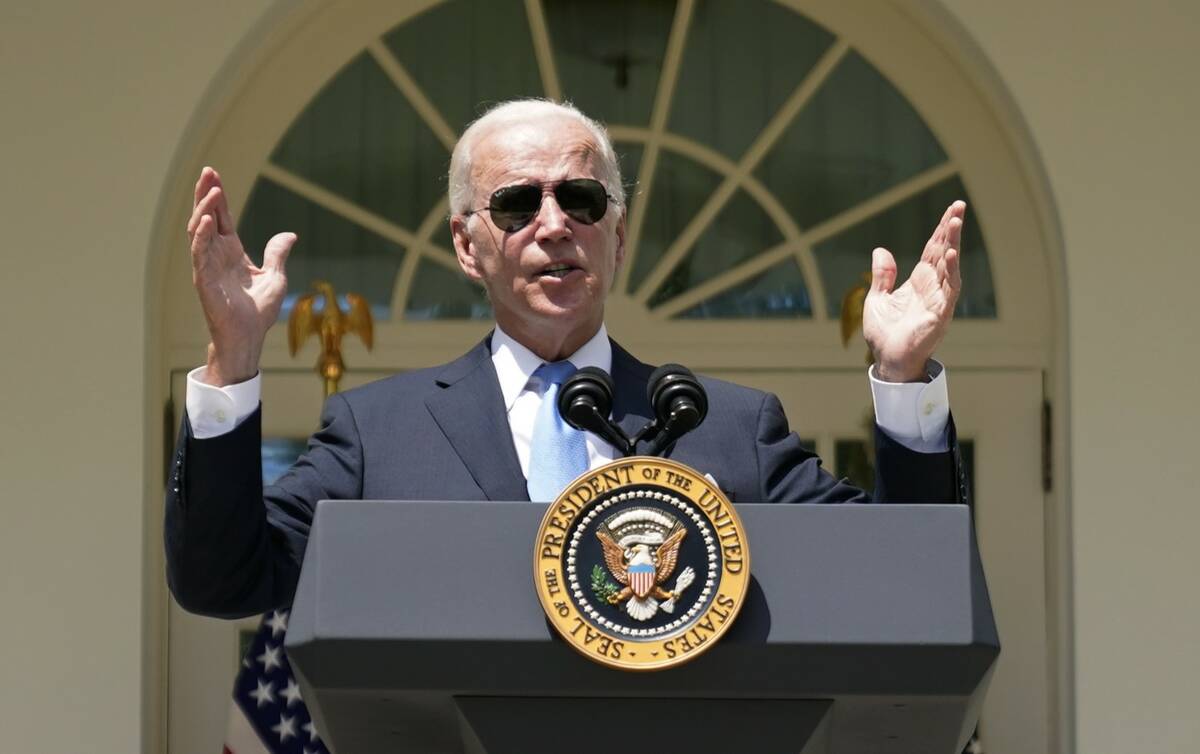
x=905 y=325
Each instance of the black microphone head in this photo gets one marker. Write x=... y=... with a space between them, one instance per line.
x=585 y=395
x=674 y=390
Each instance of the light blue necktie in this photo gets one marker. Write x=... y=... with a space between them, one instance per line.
x=558 y=451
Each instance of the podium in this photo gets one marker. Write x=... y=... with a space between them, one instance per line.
x=867 y=629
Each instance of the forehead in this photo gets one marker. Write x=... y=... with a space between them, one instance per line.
x=546 y=150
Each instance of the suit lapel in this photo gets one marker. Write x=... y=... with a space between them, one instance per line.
x=631 y=409
x=470 y=412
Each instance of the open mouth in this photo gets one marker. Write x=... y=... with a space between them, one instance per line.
x=558 y=271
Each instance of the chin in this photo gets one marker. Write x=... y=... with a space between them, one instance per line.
x=561 y=302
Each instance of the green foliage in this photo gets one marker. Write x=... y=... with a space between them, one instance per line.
x=601 y=586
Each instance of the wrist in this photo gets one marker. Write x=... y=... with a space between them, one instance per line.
x=223 y=368
x=899 y=373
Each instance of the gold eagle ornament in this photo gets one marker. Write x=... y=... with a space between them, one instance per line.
x=331 y=324
x=642 y=573
x=852 y=312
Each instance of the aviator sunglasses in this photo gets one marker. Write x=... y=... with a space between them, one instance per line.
x=513 y=207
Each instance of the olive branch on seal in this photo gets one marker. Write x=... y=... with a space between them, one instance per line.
x=601 y=586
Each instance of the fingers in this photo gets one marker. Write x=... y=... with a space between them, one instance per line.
x=194 y=221
x=947 y=234
x=950 y=276
x=225 y=220
x=213 y=204
x=954 y=227
x=276 y=253
x=203 y=194
x=208 y=178
x=201 y=248
x=883 y=271
x=202 y=234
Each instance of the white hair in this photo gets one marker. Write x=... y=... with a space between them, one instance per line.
x=460 y=188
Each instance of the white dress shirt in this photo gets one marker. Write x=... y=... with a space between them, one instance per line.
x=915 y=414
x=523 y=392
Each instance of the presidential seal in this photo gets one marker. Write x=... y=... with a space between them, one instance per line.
x=641 y=564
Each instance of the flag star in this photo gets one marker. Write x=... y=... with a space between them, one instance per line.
x=292 y=692
x=278 y=622
x=264 y=694
x=312 y=731
x=286 y=728
x=270 y=658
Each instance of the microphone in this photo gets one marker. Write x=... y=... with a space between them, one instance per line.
x=679 y=402
x=585 y=402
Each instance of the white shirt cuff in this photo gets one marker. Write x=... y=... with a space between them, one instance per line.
x=213 y=410
x=914 y=414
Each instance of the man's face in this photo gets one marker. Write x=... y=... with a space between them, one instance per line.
x=547 y=280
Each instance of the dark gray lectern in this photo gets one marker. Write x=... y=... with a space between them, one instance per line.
x=867 y=630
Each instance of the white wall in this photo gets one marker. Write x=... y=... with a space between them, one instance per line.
x=97 y=98
x=1109 y=94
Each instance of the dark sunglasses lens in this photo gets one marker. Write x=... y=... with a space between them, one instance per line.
x=512 y=207
x=583 y=199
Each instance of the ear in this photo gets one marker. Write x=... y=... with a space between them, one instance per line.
x=620 y=256
x=464 y=248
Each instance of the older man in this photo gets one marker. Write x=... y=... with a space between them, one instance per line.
x=538 y=218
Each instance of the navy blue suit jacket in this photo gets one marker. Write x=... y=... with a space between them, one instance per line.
x=235 y=548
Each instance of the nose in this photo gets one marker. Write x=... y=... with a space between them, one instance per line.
x=551 y=220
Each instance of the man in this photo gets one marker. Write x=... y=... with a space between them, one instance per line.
x=537 y=217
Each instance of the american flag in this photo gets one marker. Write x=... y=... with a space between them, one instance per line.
x=268 y=716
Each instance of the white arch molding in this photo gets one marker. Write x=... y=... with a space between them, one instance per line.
x=301 y=44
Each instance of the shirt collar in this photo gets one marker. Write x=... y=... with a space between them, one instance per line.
x=515 y=363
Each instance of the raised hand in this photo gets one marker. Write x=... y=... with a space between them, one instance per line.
x=240 y=301
x=904 y=326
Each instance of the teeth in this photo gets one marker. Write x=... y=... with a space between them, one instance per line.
x=558 y=270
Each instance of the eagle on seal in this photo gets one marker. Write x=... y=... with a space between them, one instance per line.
x=642 y=572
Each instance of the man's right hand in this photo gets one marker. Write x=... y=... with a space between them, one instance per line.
x=240 y=301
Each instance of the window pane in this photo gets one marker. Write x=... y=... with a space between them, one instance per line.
x=279 y=453
x=777 y=292
x=630 y=158
x=467 y=54
x=903 y=230
x=442 y=238
x=361 y=139
x=855 y=138
x=741 y=63
x=680 y=188
x=609 y=55
x=438 y=293
x=330 y=248
x=855 y=462
x=740 y=231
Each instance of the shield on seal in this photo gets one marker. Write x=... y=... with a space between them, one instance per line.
x=641 y=579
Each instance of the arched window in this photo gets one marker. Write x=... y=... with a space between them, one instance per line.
x=764 y=156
